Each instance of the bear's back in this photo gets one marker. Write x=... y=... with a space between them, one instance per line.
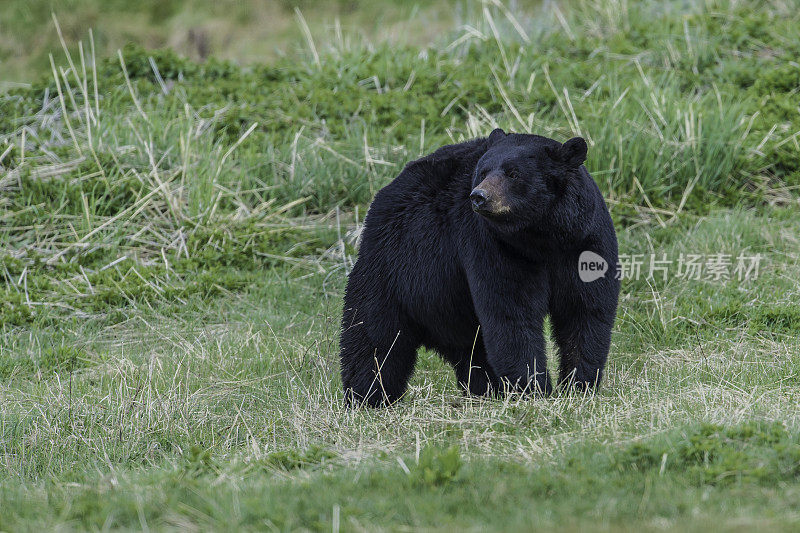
x=437 y=179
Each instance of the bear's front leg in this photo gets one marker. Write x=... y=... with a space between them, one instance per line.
x=516 y=353
x=511 y=311
x=583 y=341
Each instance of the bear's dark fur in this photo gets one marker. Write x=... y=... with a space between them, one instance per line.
x=466 y=252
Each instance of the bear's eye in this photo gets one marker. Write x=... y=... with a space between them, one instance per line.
x=513 y=173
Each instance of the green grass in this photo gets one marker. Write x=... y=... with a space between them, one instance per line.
x=249 y=31
x=738 y=470
x=174 y=247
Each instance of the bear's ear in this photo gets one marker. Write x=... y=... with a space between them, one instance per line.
x=573 y=152
x=496 y=135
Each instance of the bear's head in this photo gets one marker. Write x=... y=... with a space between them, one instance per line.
x=520 y=177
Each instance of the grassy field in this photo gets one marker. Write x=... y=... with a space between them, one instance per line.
x=248 y=31
x=175 y=236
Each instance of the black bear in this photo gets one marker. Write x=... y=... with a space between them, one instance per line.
x=466 y=252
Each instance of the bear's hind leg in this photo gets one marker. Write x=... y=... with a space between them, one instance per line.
x=376 y=373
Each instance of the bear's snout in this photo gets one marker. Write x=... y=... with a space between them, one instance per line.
x=488 y=198
x=478 y=199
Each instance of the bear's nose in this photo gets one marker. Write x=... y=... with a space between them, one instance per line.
x=478 y=198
